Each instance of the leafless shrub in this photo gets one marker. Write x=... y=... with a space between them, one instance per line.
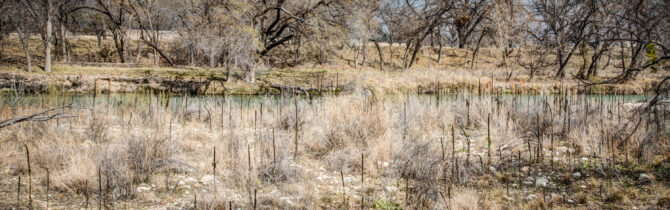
x=116 y=176
x=50 y=153
x=80 y=169
x=287 y=119
x=284 y=170
x=346 y=160
x=97 y=129
x=353 y=128
x=147 y=155
x=419 y=163
x=655 y=141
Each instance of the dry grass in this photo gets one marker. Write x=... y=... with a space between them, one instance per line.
x=358 y=149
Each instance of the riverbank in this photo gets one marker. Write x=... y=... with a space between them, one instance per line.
x=311 y=80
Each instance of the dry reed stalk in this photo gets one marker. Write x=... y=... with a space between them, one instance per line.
x=488 y=137
x=86 y=193
x=442 y=146
x=295 y=154
x=99 y=188
x=467 y=138
x=454 y=168
x=48 y=180
x=18 y=193
x=30 y=178
x=362 y=181
x=214 y=164
x=344 y=191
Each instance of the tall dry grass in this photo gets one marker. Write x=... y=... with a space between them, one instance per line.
x=361 y=149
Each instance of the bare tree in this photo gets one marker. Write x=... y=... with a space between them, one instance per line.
x=151 y=16
x=15 y=16
x=64 y=16
x=427 y=15
x=43 y=13
x=118 y=19
x=565 y=22
x=505 y=21
x=467 y=17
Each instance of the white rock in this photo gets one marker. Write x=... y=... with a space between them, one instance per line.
x=644 y=178
x=494 y=171
x=142 y=189
x=190 y=180
x=570 y=201
x=541 y=182
x=527 y=183
x=207 y=179
x=585 y=159
x=563 y=149
x=531 y=197
x=524 y=169
x=576 y=175
x=582 y=186
x=182 y=183
x=385 y=164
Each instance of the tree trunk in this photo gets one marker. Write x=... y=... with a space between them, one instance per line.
x=357 y=51
x=381 y=56
x=474 y=54
x=417 y=47
x=191 y=60
x=63 y=42
x=593 y=69
x=404 y=59
x=139 y=52
x=127 y=47
x=99 y=37
x=504 y=56
x=155 y=57
x=119 y=43
x=23 y=38
x=250 y=74
x=229 y=72
x=391 y=49
x=581 y=74
x=365 y=53
x=297 y=52
x=562 y=63
x=47 y=41
x=439 y=50
x=212 y=57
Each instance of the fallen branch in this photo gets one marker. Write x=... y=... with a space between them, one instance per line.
x=50 y=114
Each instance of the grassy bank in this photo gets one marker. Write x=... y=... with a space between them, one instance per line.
x=83 y=79
x=455 y=73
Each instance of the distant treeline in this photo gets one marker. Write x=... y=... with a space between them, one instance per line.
x=631 y=35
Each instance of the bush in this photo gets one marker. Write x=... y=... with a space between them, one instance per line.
x=283 y=171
